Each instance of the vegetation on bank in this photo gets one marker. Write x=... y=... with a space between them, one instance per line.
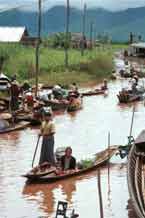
x=94 y=65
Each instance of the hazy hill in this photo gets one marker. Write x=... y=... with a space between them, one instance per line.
x=117 y=24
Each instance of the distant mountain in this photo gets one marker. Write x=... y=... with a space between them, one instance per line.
x=117 y=24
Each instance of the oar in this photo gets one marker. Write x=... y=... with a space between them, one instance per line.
x=35 y=151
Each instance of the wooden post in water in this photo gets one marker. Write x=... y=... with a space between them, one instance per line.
x=108 y=162
x=91 y=35
x=83 y=29
x=132 y=121
x=67 y=34
x=100 y=195
x=38 y=46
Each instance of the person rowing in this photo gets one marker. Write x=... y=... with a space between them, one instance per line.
x=68 y=162
x=47 y=131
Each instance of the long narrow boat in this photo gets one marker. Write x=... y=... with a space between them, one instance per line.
x=101 y=159
x=136 y=175
x=93 y=92
x=15 y=127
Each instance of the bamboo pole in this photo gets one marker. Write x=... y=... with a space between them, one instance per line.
x=38 y=45
x=83 y=29
x=132 y=121
x=91 y=35
x=67 y=34
x=100 y=195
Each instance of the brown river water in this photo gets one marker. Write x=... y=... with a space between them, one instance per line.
x=87 y=133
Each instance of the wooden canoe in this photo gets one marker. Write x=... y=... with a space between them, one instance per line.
x=93 y=92
x=129 y=98
x=101 y=159
x=15 y=127
x=135 y=175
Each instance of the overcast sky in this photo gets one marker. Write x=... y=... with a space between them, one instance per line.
x=108 y=4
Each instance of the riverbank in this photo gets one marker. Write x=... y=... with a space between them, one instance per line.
x=95 y=65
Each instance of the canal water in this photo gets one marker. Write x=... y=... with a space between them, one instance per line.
x=87 y=132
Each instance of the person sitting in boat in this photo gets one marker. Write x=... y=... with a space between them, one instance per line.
x=134 y=84
x=26 y=86
x=68 y=162
x=105 y=85
x=57 y=92
x=29 y=100
x=47 y=132
x=74 y=89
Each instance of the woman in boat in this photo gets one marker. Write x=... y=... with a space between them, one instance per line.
x=68 y=162
x=47 y=132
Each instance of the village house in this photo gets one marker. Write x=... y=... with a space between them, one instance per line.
x=137 y=49
x=16 y=35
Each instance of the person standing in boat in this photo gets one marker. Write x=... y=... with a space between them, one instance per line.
x=47 y=132
x=14 y=93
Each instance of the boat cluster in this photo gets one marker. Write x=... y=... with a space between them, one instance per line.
x=134 y=73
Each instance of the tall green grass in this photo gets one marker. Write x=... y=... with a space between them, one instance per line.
x=20 y=60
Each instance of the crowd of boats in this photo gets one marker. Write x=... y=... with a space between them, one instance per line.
x=20 y=107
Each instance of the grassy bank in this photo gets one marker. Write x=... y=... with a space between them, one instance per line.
x=20 y=60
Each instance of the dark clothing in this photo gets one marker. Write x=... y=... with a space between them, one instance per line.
x=14 y=92
x=47 y=150
x=72 y=163
x=14 y=103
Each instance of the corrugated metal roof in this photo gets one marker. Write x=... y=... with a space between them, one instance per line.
x=11 y=34
x=138 y=45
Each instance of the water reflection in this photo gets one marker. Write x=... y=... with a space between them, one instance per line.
x=11 y=138
x=45 y=194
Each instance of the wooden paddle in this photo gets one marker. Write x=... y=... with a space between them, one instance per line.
x=35 y=151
